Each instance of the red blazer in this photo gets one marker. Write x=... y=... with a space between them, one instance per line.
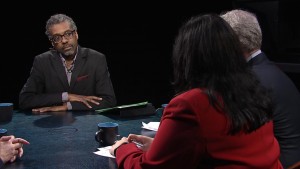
x=192 y=134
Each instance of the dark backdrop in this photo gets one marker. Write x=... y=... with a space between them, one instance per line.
x=136 y=38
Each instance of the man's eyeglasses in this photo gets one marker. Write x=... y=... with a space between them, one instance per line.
x=58 y=38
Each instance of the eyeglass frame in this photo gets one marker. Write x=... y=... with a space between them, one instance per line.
x=65 y=35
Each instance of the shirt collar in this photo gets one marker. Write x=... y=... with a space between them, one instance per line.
x=253 y=55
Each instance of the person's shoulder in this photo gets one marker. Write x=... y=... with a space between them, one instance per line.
x=265 y=65
x=46 y=54
x=196 y=92
x=195 y=100
x=191 y=95
x=91 y=52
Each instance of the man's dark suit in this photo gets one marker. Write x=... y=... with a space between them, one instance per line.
x=287 y=107
x=48 y=80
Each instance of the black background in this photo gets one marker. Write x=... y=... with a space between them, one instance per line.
x=136 y=38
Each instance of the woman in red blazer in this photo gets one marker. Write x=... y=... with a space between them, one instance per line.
x=221 y=117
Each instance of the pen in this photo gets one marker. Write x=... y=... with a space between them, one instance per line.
x=137 y=144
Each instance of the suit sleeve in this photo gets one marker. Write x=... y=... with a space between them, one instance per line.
x=32 y=94
x=103 y=87
x=1 y=163
x=176 y=141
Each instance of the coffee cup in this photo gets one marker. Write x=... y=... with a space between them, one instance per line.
x=107 y=133
x=6 y=112
x=159 y=111
x=3 y=132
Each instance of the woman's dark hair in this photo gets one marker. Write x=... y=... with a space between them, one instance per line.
x=207 y=55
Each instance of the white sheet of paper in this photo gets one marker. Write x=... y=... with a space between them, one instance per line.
x=151 y=126
x=104 y=151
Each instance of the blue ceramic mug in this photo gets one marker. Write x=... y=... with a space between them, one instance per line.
x=107 y=133
x=160 y=110
x=6 y=112
x=3 y=132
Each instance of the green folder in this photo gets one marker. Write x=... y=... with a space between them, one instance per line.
x=122 y=107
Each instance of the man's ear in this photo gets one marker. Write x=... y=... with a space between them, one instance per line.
x=76 y=34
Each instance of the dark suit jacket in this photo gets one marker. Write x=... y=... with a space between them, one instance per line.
x=48 y=80
x=287 y=107
x=192 y=134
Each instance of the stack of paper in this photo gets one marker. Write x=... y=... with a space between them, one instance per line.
x=104 y=151
x=151 y=126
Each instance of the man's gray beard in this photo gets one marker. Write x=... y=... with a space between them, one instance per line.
x=69 y=53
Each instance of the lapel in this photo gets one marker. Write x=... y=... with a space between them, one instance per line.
x=59 y=68
x=79 y=62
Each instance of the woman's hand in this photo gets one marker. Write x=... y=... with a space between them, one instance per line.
x=144 y=140
x=117 y=144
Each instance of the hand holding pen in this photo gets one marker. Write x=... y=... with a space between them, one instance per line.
x=142 y=142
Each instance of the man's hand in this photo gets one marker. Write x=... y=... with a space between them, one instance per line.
x=42 y=110
x=86 y=100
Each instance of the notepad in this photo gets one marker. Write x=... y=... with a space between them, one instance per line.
x=151 y=126
x=104 y=151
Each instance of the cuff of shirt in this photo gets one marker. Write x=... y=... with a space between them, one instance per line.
x=69 y=105
x=65 y=96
